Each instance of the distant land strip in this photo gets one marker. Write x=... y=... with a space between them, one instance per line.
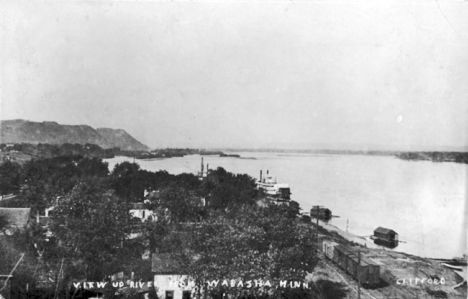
x=22 y=152
x=434 y=156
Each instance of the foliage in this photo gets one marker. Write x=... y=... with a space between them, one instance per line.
x=9 y=177
x=457 y=157
x=330 y=290
x=255 y=244
x=92 y=225
x=179 y=204
x=228 y=191
x=46 y=179
x=125 y=180
x=3 y=222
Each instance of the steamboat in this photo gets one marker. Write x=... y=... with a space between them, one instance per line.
x=278 y=191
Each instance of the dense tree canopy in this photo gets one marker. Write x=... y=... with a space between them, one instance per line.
x=92 y=225
x=255 y=244
x=215 y=227
x=9 y=177
x=225 y=190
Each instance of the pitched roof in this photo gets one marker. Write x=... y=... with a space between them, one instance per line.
x=139 y=206
x=384 y=230
x=17 y=217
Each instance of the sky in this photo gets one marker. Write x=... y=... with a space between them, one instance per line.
x=242 y=74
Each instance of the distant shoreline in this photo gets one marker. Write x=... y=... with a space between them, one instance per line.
x=24 y=151
x=434 y=156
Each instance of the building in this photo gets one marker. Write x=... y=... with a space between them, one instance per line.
x=169 y=280
x=386 y=237
x=142 y=211
x=17 y=219
x=320 y=212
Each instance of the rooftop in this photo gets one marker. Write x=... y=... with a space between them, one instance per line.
x=16 y=217
x=384 y=230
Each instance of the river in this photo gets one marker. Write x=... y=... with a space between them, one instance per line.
x=424 y=202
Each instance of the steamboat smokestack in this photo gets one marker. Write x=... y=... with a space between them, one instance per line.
x=202 y=167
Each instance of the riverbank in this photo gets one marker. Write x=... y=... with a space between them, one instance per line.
x=405 y=275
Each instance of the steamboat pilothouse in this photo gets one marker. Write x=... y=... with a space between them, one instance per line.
x=273 y=189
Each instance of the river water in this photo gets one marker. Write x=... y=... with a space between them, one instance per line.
x=424 y=202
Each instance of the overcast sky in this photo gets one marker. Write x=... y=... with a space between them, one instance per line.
x=246 y=74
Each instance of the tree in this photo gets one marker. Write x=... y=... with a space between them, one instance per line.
x=228 y=191
x=92 y=225
x=9 y=177
x=178 y=204
x=127 y=181
x=255 y=244
x=46 y=179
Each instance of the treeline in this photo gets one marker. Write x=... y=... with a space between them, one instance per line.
x=22 y=152
x=26 y=151
x=457 y=157
x=215 y=228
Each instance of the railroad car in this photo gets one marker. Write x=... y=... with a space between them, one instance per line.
x=347 y=259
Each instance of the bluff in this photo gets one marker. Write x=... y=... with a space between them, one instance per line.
x=23 y=131
x=121 y=139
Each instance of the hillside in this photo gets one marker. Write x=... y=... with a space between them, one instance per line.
x=23 y=131
x=120 y=138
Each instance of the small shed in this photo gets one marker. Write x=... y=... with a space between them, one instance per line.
x=386 y=237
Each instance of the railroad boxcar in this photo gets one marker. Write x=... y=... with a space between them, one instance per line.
x=347 y=259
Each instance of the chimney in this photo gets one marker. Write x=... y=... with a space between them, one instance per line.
x=202 y=167
x=267 y=172
x=260 y=175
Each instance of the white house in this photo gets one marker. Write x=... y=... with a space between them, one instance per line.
x=140 y=210
x=169 y=281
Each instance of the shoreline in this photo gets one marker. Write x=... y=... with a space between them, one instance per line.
x=355 y=239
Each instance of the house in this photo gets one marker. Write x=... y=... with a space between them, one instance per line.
x=386 y=237
x=17 y=219
x=169 y=280
x=142 y=211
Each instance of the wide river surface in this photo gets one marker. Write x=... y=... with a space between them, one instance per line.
x=424 y=202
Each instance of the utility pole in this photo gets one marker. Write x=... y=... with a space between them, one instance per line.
x=317 y=217
x=359 y=275
x=317 y=231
